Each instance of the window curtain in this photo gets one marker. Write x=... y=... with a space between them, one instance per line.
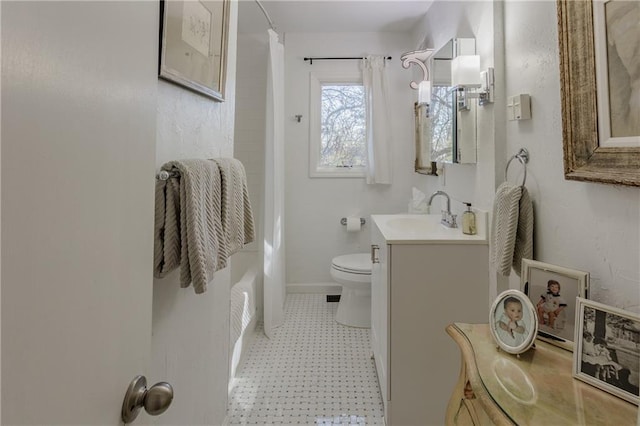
x=375 y=84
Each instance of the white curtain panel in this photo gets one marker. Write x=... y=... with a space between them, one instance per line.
x=379 y=156
x=274 y=262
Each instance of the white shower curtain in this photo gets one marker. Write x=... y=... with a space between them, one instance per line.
x=375 y=84
x=274 y=280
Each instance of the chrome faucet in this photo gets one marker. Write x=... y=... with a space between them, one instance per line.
x=448 y=219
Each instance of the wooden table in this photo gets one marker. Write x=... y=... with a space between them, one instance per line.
x=536 y=388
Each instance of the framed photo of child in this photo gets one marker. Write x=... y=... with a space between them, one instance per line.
x=553 y=290
x=512 y=321
x=607 y=351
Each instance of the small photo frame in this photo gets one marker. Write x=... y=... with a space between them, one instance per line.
x=512 y=321
x=607 y=349
x=553 y=290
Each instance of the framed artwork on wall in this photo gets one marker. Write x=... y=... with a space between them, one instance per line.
x=512 y=321
x=553 y=290
x=193 y=45
x=600 y=85
x=607 y=352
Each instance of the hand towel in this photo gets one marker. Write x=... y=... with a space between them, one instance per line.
x=236 y=213
x=512 y=228
x=524 y=235
x=188 y=226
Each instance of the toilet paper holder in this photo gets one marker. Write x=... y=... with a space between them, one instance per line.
x=343 y=221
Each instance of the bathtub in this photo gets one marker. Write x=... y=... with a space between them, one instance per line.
x=245 y=299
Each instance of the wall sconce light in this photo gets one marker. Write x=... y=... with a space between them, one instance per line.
x=470 y=83
x=419 y=58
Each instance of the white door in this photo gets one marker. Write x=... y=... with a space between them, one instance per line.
x=78 y=161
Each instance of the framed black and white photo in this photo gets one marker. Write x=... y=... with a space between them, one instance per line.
x=553 y=290
x=512 y=321
x=607 y=351
x=193 y=45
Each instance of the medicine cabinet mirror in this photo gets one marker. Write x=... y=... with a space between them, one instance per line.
x=445 y=133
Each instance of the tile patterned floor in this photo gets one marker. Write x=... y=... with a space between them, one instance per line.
x=314 y=371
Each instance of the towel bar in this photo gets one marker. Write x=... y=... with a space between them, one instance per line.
x=523 y=158
x=164 y=175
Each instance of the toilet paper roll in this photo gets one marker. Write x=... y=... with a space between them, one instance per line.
x=353 y=224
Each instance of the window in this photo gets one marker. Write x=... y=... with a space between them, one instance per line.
x=337 y=126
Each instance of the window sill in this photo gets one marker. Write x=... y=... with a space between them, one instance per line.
x=337 y=173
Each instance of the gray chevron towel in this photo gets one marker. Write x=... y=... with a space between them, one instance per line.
x=237 y=216
x=511 y=228
x=188 y=227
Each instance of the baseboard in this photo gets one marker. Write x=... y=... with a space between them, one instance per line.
x=315 y=288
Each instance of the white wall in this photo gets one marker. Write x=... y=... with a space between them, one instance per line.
x=587 y=226
x=314 y=207
x=249 y=141
x=579 y=225
x=191 y=332
x=475 y=183
x=444 y=21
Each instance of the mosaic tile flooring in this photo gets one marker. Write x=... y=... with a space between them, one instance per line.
x=314 y=371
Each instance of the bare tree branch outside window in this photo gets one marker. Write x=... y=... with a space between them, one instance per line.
x=441 y=124
x=343 y=126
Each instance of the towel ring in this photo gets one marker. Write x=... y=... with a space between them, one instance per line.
x=523 y=158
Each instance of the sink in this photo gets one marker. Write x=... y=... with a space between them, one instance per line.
x=425 y=229
x=413 y=224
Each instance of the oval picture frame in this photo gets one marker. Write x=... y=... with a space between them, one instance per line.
x=513 y=334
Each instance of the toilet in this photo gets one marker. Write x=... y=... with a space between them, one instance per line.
x=353 y=271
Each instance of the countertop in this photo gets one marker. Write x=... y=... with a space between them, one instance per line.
x=427 y=230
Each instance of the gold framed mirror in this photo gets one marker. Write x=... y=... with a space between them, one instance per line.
x=586 y=157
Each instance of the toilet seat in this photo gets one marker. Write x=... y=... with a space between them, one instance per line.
x=358 y=264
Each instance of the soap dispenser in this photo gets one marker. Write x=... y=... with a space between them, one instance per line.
x=469 y=221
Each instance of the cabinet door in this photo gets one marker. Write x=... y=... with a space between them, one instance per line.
x=380 y=311
x=429 y=289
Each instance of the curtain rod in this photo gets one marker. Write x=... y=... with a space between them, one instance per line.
x=266 y=15
x=335 y=59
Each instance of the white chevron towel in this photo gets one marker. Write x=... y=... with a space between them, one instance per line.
x=511 y=228
x=188 y=228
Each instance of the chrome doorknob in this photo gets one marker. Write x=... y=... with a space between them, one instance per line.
x=155 y=400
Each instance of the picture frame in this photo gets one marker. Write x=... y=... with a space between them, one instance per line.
x=607 y=351
x=193 y=45
x=586 y=157
x=555 y=310
x=512 y=322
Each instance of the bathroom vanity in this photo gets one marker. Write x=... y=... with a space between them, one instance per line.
x=495 y=387
x=424 y=277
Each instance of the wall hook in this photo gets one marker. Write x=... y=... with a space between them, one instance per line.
x=298 y=117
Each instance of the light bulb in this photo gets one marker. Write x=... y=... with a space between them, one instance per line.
x=424 y=92
x=465 y=71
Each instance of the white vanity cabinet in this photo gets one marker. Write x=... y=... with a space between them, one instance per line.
x=422 y=280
